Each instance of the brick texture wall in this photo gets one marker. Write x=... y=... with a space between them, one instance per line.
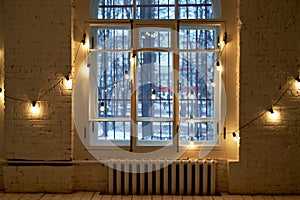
x=269 y=151
x=37 y=37
x=38 y=54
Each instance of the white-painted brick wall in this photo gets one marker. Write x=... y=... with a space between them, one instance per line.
x=270 y=54
x=38 y=52
x=37 y=55
x=38 y=179
x=37 y=38
x=91 y=177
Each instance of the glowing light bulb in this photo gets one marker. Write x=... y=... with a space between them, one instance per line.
x=126 y=75
x=236 y=138
x=68 y=83
x=153 y=95
x=218 y=66
x=192 y=141
x=192 y=95
x=298 y=82
x=102 y=107
x=35 y=110
x=273 y=115
x=132 y=59
x=298 y=85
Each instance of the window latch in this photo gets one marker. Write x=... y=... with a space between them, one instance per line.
x=178 y=86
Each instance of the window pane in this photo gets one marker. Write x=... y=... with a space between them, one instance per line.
x=158 y=9
x=201 y=38
x=158 y=131
x=113 y=84
x=195 y=9
x=113 y=130
x=110 y=38
x=197 y=78
x=155 y=38
x=155 y=9
x=117 y=9
x=197 y=131
x=155 y=85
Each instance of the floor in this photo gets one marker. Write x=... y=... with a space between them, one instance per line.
x=96 y=196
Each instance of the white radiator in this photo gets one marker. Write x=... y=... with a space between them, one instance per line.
x=178 y=177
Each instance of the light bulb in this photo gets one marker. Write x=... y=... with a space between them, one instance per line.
x=192 y=95
x=102 y=107
x=132 y=59
x=35 y=110
x=298 y=82
x=236 y=138
x=126 y=75
x=68 y=83
x=298 y=85
x=273 y=115
x=153 y=95
x=218 y=66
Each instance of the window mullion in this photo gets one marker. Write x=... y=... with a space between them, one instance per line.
x=133 y=89
x=176 y=9
x=175 y=89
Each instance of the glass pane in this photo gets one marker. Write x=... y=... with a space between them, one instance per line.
x=155 y=9
x=195 y=9
x=197 y=131
x=197 y=78
x=155 y=84
x=113 y=83
x=110 y=38
x=202 y=38
x=117 y=9
x=113 y=130
x=155 y=38
x=155 y=131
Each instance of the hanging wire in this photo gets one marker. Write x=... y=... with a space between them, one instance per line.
x=262 y=113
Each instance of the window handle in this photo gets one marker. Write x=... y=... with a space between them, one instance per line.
x=178 y=86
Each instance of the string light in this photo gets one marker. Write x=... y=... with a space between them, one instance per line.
x=236 y=138
x=273 y=115
x=68 y=82
x=234 y=134
x=132 y=59
x=35 y=110
x=127 y=75
x=192 y=95
x=102 y=107
x=218 y=66
x=298 y=82
x=192 y=141
x=153 y=95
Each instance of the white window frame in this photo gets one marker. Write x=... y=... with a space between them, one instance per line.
x=134 y=143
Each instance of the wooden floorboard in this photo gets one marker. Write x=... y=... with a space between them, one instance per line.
x=258 y=197
x=98 y=196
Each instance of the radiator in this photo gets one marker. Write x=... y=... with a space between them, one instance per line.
x=159 y=177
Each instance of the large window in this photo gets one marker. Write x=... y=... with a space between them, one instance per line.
x=153 y=72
